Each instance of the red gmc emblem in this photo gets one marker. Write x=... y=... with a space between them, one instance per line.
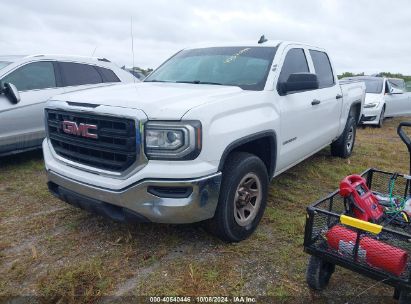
x=71 y=127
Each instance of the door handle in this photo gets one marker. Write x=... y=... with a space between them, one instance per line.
x=315 y=102
x=339 y=96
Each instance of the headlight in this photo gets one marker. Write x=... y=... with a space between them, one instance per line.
x=172 y=140
x=371 y=105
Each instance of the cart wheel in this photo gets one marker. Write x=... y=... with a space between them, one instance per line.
x=405 y=297
x=319 y=273
x=397 y=293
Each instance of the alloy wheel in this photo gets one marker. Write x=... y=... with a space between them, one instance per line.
x=247 y=199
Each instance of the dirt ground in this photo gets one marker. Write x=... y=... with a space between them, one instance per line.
x=50 y=249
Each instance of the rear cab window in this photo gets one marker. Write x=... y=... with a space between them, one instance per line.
x=323 y=69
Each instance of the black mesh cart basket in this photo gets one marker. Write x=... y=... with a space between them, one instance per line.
x=333 y=236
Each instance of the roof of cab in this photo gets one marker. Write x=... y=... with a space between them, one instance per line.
x=254 y=43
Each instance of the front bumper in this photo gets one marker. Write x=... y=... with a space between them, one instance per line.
x=371 y=115
x=161 y=201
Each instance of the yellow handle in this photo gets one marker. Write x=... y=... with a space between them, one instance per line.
x=363 y=225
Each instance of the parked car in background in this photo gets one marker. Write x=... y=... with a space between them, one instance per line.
x=386 y=97
x=139 y=75
x=202 y=136
x=397 y=99
x=27 y=82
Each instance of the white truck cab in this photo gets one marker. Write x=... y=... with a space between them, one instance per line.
x=201 y=137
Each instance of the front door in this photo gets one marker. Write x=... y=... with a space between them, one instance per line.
x=22 y=124
x=396 y=100
x=298 y=115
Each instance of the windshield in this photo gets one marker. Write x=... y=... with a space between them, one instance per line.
x=373 y=86
x=245 y=67
x=4 y=64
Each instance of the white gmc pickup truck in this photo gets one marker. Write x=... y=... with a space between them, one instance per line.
x=201 y=137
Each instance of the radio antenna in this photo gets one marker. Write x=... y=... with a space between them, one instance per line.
x=132 y=46
x=92 y=54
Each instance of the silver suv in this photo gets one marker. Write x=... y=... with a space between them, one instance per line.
x=27 y=82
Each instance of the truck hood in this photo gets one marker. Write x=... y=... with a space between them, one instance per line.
x=157 y=100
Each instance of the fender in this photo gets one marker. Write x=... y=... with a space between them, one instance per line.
x=346 y=111
x=358 y=114
x=272 y=137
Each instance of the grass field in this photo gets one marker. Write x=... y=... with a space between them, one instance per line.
x=51 y=249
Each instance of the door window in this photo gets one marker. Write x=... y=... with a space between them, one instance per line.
x=33 y=76
x=294 y=62
x=397 y=84
x=108 y=75
x=323 y=69
x=75 y=74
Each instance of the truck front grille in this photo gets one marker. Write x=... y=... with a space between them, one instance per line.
x=113 y=144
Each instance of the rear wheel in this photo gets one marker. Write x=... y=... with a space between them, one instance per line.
x=319 y=273
x=344 y=145
x=243 y=197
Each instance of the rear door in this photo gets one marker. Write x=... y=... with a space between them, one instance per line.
x=22 y=124
x=328 y=111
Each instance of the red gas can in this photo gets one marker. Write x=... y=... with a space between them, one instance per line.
x=366 y=206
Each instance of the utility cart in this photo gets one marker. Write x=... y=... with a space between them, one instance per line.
x=340 y=231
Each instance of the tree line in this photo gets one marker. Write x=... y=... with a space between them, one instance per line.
x=382 y=74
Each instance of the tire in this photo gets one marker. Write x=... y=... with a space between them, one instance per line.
x=344 y=145
x=381 y=120
x=244 y=184
x=319 y=273
x=405 y=297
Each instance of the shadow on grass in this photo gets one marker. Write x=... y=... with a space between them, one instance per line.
x=21 y=158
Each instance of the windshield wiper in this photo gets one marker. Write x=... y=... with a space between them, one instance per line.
x=198 y=82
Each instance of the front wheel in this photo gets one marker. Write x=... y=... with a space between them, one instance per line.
x=381 y=120
x=243 y=197
x=344 y=145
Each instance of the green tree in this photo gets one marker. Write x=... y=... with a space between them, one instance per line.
x=349 y=74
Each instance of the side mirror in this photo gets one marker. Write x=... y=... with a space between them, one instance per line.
x=11 y=92
x=300 y=82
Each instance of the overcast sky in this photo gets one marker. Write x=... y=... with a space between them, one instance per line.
x=369 y=36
